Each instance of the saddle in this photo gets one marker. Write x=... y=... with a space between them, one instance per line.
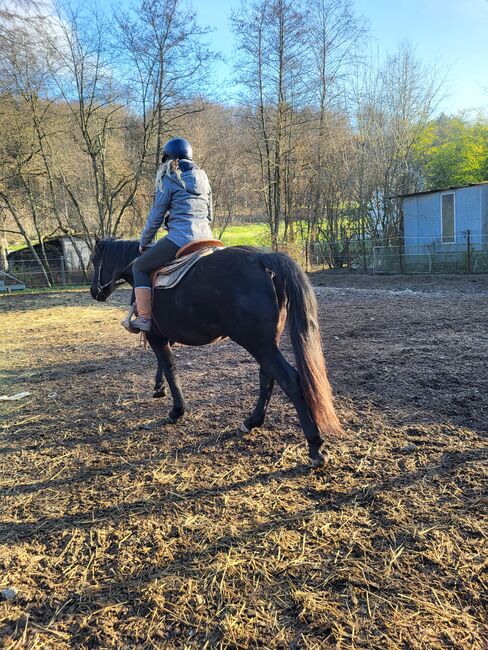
x=169 y=275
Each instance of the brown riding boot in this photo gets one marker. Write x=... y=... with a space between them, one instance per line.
x=144 y=306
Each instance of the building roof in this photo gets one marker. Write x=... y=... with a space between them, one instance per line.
x=443 y=189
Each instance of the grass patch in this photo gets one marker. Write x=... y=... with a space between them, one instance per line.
x=256 y=234
x=246 y=234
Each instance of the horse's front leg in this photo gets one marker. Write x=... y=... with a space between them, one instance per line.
x=256 y=419
x=159 y=387
x=167 y=363
x=171 y=375
x=156 y=346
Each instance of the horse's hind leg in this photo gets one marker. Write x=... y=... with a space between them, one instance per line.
x=256 y=418
x=275 y=365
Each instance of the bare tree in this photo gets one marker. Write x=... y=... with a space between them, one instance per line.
x=18 y=142
x=80 y=66
x=395 y=105
x=271 y=45
x=335 y=38
x=168 y=59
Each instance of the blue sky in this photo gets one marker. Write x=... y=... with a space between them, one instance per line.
x=451 y=34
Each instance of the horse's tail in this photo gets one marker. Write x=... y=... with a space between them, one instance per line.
x=304 y=329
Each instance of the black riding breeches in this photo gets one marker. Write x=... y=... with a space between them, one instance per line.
x=155 y=256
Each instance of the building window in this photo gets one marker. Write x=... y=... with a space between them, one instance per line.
x=447 y=218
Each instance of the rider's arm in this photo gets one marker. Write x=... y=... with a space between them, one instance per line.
x=156 y=216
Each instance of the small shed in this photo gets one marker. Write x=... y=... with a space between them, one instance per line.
x=63 y=261
x=446 y=229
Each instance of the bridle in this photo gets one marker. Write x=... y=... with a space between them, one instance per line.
x=114 y=283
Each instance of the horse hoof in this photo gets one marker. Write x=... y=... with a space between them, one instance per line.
x=174 y=416
x=317 y=462
x=159 y=393
x=244 y=429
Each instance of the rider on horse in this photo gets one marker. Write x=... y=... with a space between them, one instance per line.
x=183 y=203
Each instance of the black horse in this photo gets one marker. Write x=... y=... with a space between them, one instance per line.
x=247 y=295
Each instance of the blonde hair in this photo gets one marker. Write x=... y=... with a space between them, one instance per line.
x=166 y=169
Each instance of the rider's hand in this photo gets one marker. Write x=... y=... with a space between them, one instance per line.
x=141 y=249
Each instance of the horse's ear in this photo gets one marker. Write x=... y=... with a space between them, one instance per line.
x=99 y=243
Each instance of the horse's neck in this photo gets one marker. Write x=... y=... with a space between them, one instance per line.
x=130 y=254
x=128 y=276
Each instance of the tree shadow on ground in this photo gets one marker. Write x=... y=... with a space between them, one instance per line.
x=330 y=500
x=185 y=564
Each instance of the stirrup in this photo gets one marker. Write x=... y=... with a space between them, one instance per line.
x=140 y=324
x=127 y=324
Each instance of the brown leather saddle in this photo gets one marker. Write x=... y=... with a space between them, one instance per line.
x=169 y=275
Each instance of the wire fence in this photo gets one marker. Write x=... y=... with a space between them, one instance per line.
x=466 y=255
x=10 y=283
x=394 y=260
x=54 y=271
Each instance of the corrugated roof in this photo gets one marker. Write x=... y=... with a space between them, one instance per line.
x=443 y=189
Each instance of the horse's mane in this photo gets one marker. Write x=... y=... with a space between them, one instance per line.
x=117 y=251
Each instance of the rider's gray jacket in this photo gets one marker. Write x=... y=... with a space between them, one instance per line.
x=187 y=201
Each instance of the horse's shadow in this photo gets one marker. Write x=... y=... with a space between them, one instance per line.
x=88 y=474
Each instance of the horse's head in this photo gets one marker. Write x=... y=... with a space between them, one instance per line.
x=102 y=275
x=111 y=262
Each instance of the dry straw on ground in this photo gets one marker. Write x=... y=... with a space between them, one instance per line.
x=119 y=531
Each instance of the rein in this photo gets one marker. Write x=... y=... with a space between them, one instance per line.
x=116 y=283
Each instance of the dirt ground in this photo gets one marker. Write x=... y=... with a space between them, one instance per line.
x=121 y=531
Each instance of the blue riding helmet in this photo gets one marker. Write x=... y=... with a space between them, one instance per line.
x=177 y=148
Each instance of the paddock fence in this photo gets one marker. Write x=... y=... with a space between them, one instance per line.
x=55 y=269
x=467 y=255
